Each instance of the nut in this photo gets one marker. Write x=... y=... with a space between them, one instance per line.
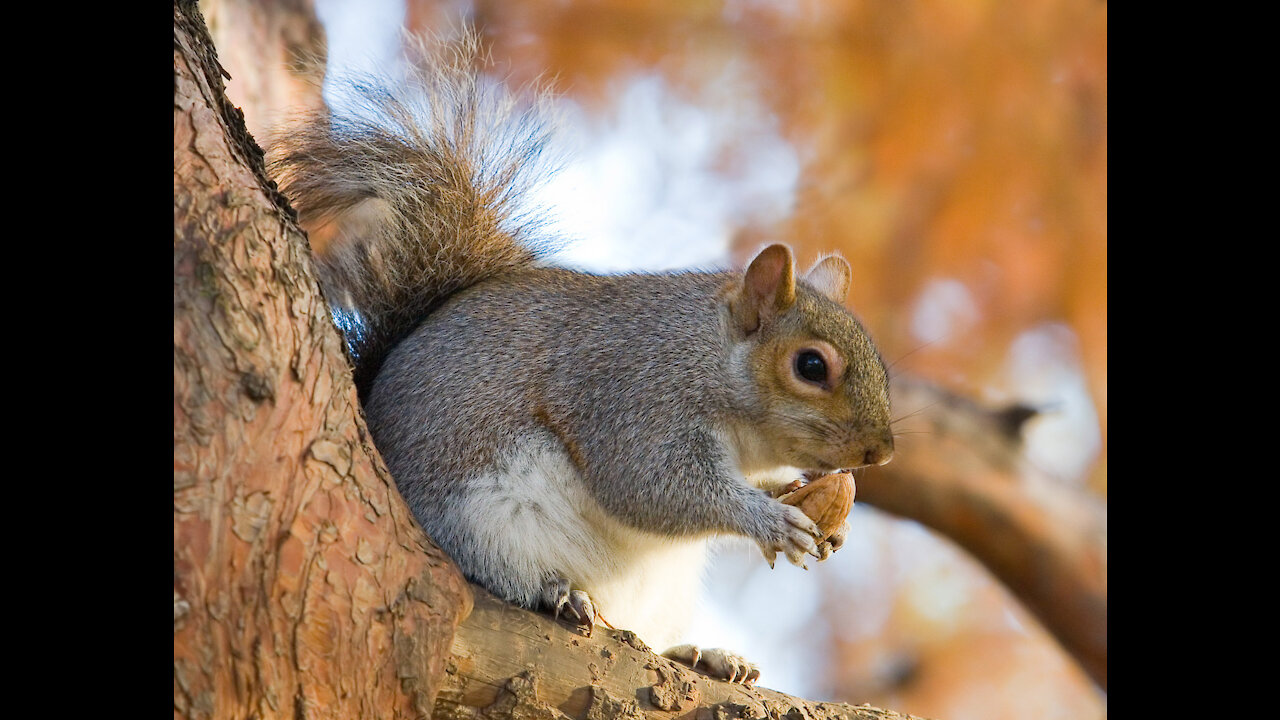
x=827 y=501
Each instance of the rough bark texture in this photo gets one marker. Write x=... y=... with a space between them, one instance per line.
x=967 y=478
x=302 y=586
x=512 y=664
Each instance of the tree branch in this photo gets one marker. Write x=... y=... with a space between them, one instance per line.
x=513 y=664
x=970 y=481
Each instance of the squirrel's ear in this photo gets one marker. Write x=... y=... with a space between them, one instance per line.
x=831 y=277
x=768 y=288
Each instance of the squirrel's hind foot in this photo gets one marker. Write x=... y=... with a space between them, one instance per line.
x=574 y=604
x=716 y=662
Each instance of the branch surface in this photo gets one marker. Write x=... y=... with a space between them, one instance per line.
x=512 y=664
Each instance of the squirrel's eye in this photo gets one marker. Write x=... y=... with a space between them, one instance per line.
x=811 y=367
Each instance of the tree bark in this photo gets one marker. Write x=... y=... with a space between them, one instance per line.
x=302 y=585
x=512 y=664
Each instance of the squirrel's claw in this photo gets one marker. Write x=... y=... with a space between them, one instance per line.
x=833 y=543
x=557 y=595
x=585 y=610
x=797 y=557
x=839 y=536
x=687 y=654
x=716 y=662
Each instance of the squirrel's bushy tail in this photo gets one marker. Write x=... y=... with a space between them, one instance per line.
x=424 y=179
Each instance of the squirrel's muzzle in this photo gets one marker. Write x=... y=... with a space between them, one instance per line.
x=878 y=455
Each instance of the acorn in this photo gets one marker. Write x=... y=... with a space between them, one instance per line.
x=827 y=501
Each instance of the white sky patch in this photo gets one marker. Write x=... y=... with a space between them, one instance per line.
x=766 y=616
x=860 y=565
x=941 y=594
x=944 y=310
x=645 y=188
x=775 y=618
x=1044 y=369
x=656 y=183
x=362 y=37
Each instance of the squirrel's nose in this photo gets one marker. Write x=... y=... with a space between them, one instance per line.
x=878 y=455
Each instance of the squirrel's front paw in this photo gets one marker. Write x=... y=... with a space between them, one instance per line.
x=794 y=533
x=716 y=662
x=833 y=543
x=557 y=597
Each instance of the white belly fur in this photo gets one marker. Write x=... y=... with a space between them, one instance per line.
x=540 y=520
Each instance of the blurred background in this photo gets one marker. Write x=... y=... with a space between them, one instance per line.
x=955 y=153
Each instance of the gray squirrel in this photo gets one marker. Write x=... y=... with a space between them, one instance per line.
x=571 y=440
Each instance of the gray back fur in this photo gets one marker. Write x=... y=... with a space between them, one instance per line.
x=627 y=371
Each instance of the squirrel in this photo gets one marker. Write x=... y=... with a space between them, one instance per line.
x=571 y=440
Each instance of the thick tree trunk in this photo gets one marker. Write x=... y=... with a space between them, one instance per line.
x=302 y=585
